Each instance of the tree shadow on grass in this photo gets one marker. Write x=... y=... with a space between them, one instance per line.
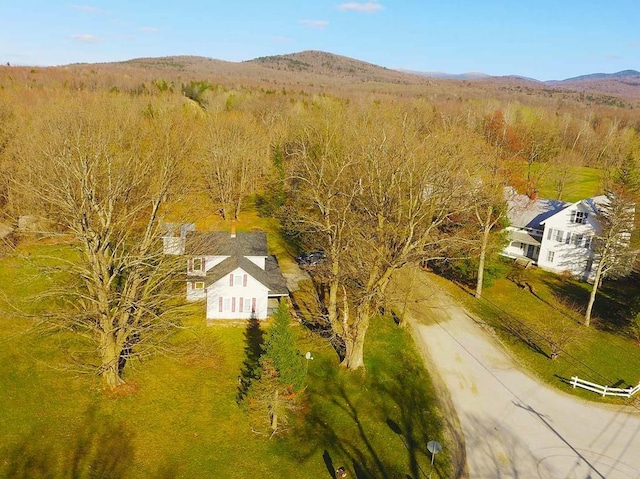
x=616 y=306
x=99 y=448
x=377 y=426
x=253 y=350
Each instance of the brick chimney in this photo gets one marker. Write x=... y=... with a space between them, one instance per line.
x=233 y=228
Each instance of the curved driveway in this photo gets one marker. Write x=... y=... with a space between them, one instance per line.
x=514 y=426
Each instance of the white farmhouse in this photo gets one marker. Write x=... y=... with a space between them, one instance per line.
x=234 y=274
x=555 y=235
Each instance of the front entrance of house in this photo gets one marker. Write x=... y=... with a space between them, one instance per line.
x=532 y=251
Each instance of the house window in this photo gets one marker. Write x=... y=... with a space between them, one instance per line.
x=581 y=217
x=198 y=285
x=237 y=280
x=587 y=242
x=578 y=240
x=247 y=304
x=558 y=235
x=227 y=304
x=550 y=256
x=196 y=265
x=567 y=240
x=550 y=233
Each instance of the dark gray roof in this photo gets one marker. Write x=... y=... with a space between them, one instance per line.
x=271 y=276
x=222 y=244
x=277 y=283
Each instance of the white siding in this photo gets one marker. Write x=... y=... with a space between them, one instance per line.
x=213 y=261
x=570 y=254
x=173 y=245
x=230 y=296
x=257 y=260
x=196 y=290
x=199 y=261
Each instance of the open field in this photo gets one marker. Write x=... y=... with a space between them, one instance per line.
x=585 y=183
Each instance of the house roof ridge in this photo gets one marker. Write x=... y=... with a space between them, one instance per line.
x=220 y=243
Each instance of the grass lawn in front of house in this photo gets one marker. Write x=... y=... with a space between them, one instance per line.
x=177 y=416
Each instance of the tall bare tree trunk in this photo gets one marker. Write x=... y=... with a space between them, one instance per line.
x=594 y=290
x=334 y=284
x=110 y=353
x=354 y=341
x=483 y=250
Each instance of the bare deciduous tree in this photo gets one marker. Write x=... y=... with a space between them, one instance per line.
x=395 y=197
x=236 y=151
x=103 y=173
x=613 y=250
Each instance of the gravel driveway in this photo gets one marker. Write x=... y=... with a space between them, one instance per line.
x=515 y=426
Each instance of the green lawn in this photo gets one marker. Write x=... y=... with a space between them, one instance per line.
x=583 y=183
x=177 y=417
x=607 y=353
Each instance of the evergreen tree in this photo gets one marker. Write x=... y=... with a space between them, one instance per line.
x=281 y=349
x=282 y=375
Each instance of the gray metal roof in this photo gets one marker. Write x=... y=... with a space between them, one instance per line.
x=523 y=237
x=219 y=243
x=525 y=212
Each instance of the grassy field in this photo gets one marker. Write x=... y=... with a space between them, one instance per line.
x=607 y=353
x=177 y=416
x=584 y=183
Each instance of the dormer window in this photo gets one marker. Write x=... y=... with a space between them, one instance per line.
x=579 y=217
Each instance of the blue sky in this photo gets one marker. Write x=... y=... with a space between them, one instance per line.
x=543 y=39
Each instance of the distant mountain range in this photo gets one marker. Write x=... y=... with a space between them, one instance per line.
x=602 y=76
x=480 y=75
x=319 y=67
x=449 y=76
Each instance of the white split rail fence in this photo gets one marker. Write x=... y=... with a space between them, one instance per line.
x=604 y=390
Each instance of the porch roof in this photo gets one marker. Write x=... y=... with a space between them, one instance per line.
x=523 y=237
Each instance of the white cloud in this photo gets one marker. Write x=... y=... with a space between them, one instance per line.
x=369 y=7
x=149 y=29
x=86 y=38
x=88 y=9
x=317 y=24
